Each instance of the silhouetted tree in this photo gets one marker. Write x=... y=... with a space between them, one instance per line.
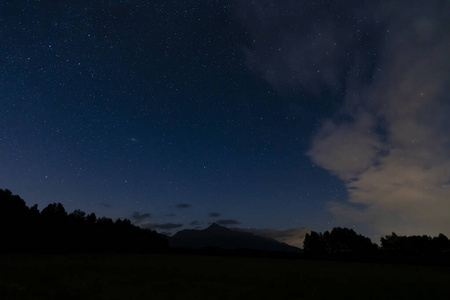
x=340 y=241
x=53 y=230
x=14 y=222
x=344 y=240
x=55 y=212
x=78 y=216
x=91 y=219
x=314 y=244
x=415 y=245
x=390 y=242
x=13 y=208
x=441 y=243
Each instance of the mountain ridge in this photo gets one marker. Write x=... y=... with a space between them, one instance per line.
x=217 y=236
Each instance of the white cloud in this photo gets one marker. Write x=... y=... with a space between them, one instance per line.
x=405 y=187
x=391 y=143
x=347 y=150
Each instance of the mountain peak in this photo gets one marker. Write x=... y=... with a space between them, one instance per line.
x=216 y=227
x=218 y=236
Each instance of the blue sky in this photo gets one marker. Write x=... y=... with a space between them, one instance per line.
x=271 y=115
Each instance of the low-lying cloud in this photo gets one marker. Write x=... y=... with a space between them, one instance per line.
x=293 y=236
x=227 y=222
x=138 y=217
x=165 y=226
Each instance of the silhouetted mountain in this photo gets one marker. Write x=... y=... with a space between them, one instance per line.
x=217 y=236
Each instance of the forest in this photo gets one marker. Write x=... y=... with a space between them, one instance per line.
x=53 y=230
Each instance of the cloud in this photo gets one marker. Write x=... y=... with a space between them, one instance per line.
x=137 y=216
x=226 y=222
x=398 y=178
x=166 y=233
x=170 y=215
x=105 y=205
x=214 y=215
x=195 y=224
x=165 y=226
x=293 y=236
x=389 y=141
x=303 y=45
x=183 y=205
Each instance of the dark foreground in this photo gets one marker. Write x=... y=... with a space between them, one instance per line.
x=127 y=276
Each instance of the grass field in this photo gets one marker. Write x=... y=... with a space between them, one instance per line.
x=115 y=276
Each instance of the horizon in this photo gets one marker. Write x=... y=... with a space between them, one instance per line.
x=281 y=117
x=290 y=237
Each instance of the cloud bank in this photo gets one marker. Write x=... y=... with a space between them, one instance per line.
x=390 y=141
x=227 y=222
x=164 y=226
x=138 y=217
x=293 y=236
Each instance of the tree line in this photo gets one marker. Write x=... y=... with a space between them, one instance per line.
x=346 y=243
x=24 y=228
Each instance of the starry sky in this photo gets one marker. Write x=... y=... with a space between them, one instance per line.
x=274 y=116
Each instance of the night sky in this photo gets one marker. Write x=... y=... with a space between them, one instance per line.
x=275 y=116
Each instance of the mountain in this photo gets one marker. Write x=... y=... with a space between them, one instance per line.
x=217 y=236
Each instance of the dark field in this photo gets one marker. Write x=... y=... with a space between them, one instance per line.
x=114 y=276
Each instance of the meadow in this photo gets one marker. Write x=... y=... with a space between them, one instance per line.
x=151 y=276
